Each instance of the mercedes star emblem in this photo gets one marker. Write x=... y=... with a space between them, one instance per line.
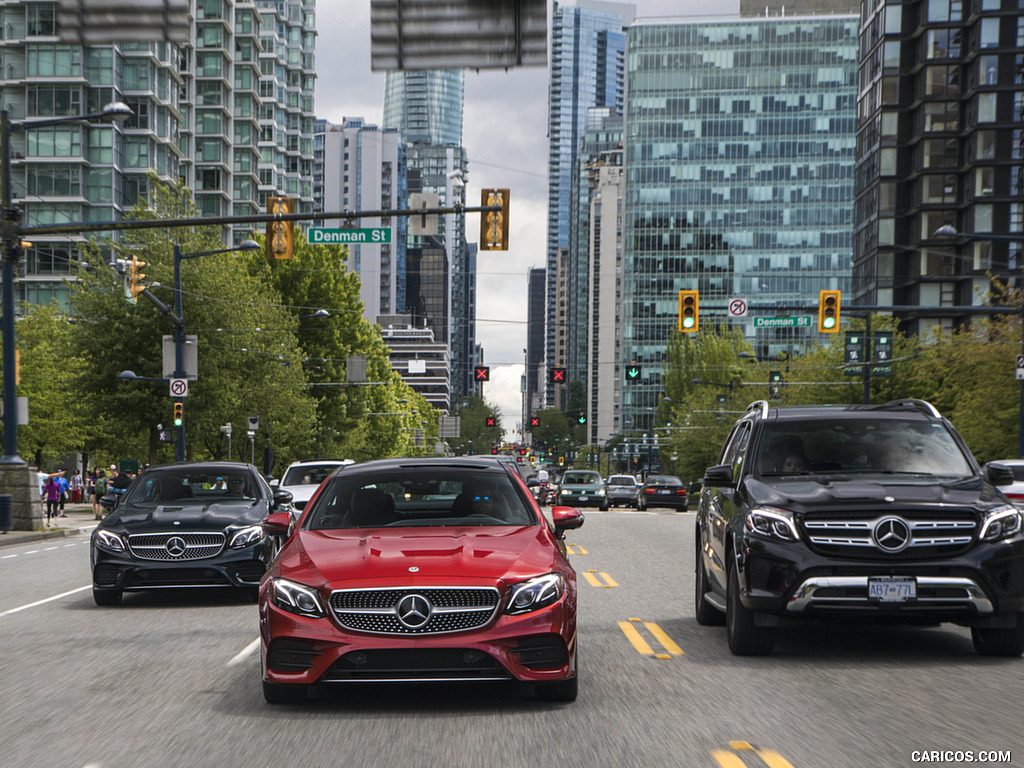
x=892 y=534
x=414 y=611
x=175 y=546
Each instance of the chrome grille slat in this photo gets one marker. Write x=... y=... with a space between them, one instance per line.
x=455 y=609
x=198 y=546
x=858 y=532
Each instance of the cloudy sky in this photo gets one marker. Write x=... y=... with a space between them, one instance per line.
x=505 y=135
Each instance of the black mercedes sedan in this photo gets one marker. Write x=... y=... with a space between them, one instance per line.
x=184 y=525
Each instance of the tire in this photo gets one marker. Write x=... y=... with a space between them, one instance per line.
x=106 y=596
x=745 y=637
x=604 y=507
x=283 y=694
x=999 y=641
x=707 y=614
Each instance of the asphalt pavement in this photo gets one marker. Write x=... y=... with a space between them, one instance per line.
x=79 y=522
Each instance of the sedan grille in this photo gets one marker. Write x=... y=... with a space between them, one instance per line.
x=414 y=611
x=176 y=546
x=904 y=535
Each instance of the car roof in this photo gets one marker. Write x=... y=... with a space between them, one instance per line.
x=305 y=462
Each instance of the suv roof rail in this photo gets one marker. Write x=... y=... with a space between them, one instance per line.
x=911 y=402
x=761 y=405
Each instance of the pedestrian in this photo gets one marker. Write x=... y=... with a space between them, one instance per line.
x=75 y=486
x=65 y=490
x=51 y=490
x=98 y=492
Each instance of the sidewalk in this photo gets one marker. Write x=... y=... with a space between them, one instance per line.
x=79 y=522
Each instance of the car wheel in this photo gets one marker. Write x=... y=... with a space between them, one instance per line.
x=745 y=637
x=707 y=614
x=604 y=507
x=275 y=693
x=106 y=596
x=999 y=641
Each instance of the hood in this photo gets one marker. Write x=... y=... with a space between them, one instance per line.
x=480 y=555
x=210 y=517
x=842 y=495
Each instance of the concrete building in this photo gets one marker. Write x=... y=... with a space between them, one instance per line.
x=533 y=378
x=423 y=362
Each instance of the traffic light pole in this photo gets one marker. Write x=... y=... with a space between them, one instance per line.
x=179 y=353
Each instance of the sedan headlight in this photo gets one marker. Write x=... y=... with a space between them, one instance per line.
x=565 y=491
x=1000 y=523
x=109 y=540
x=296 y=598
x=243 y=538
x=600 y=492
x=538 y=592
x=772 y=522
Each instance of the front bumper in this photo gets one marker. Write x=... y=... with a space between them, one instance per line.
x=790 y=579
x=230 y=568
x=575 y=500
x=536 y=647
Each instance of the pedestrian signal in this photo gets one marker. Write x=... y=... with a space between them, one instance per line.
x=689 y=320
x=828 y=311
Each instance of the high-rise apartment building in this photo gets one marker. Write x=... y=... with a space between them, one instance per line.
x=533 y=379
x=739 y=156
x=587 y=70
x=427 y=107
x=940 y=143
x=230 y=114
x=359 y=167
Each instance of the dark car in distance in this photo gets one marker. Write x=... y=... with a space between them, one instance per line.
x=867 y=513
x=582 y=488
x=193 y=524
x=426 y=570
x=664 y=491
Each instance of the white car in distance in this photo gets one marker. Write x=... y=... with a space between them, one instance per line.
x=303 y=477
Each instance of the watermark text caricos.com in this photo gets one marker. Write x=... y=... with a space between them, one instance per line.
x=960 y=756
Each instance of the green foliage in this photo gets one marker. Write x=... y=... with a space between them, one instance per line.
x=476 y=437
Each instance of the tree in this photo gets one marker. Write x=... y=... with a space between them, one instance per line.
x=476 y=437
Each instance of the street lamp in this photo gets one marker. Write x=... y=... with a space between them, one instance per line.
x=318 y=313
x=179 y=324
x=9 y=230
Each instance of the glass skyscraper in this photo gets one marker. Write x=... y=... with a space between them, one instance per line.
x=739 y=157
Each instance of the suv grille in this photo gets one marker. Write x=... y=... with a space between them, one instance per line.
x=438 y=609
x=176 y=546
x=902 y=535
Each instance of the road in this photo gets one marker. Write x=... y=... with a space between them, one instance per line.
x=172 y=679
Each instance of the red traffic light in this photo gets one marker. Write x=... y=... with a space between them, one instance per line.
x=535 y=421
x=557 y=375
x=483 y=373
x=491 y=422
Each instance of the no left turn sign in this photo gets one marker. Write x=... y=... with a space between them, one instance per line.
x=179 y=387
x=737 y=307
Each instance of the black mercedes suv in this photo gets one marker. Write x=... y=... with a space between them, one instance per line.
x=876 y=513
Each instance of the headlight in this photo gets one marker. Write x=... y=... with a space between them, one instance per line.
x=773 y=523
x=246 y=536
x=110 y=541
x=565 y=491
x=535 y=593
x=296 y=598
x=600 y=492
x=1000 y=523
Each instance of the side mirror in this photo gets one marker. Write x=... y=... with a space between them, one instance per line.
x=277 y=524
x=998 y=474
x=281 y=498
x=108 y=501
x=274 y=482
x=566 y=519
x=718 y=476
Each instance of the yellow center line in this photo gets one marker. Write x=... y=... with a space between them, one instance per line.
x=608 y=580
x=663 y=638
x=592 y=579
x=634 y=637
x=727 y=759
x=773 y=759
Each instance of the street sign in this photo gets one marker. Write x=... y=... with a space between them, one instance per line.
x=179 y=387
x=800 y=321
x=360 y=236
x=737 y=307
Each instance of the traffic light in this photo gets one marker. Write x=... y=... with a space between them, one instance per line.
x=689 y=320
x=774 y=382
x=179 y=414
x=494 y=449
x=535 y=421
x=557 y=376
x=581 y=418
x=494 y=224
x=135 y=278
x=482 y=373
x=828 y=311
x=280 y=234
x=491 y=421
x=633 y=373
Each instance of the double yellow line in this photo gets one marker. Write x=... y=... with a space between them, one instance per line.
x=769 y=757
x=629 y=629
x=595 y=582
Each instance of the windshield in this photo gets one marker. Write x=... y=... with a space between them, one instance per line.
x=664 y=480
x=860 y=446
x=308 y=474
x=179 y=487
x=435 y=496
x=621 y=480
x=580 y=478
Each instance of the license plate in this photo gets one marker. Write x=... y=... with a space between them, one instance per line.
x=892 y=589
x=665 y=491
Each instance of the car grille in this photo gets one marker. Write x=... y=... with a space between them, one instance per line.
x=415 y=664
x=453 y=609
x=870 y=535
x=193 y=546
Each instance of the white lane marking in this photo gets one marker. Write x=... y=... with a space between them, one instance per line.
x=44 y=601
x=242 y=655
x=7 y=557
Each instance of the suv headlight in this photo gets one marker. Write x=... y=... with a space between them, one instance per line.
x=538 y=592
x=772 y=522
x=1000 y=523
x=296 y=598
x=243 y=538
x=109 y=540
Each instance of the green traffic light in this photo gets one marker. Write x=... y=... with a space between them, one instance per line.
x=688 y=322
x=829 y=322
